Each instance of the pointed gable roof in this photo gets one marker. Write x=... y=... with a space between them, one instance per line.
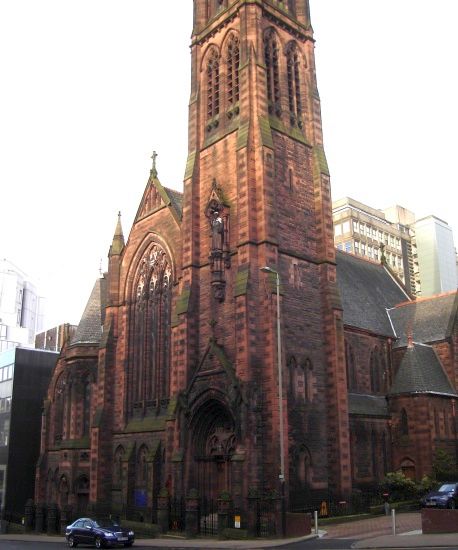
x=156 y=196
x=428 y=319
x=367 y=290
x=420 y=371
x=89 y=330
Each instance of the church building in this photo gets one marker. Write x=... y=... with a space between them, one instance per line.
x=170 y=385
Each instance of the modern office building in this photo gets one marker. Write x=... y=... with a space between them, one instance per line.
x=21 y=308
x=364 y=231
x=24 y=378
x=436 y=255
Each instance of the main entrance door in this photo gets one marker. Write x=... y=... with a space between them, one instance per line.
x=214 y=442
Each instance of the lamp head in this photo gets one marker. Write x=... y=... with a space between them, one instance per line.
x=266 y=269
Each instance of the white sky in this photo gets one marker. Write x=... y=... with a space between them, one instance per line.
x=90 y=87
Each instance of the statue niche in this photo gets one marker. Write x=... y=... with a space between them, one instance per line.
x=217 y=213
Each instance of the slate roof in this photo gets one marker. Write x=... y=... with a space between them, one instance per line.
x=420 y=371
x=429 y=319
x=176 y=198
x=89 y=330
x=367 y=290
x=367 y=405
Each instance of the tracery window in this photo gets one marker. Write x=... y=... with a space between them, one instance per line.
x=150 y=329
x=271 y=53
x=233 y=62
x=213 y=85
x=294 y=85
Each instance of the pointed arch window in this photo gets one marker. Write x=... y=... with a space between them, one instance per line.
x=117 y=466
x=59 y=409
x=233 y=62
x=352 y=384
x=271 y=54
x=213 y=85
x=404 y=426
x=376 y=376
x=87 y=406
x=294 y=85
x=142 y=467
x=150 y=330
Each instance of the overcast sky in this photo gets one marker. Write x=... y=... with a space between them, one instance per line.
x=89 y=88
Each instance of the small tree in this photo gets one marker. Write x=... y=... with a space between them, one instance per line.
x=399 y=486
x=444 y=467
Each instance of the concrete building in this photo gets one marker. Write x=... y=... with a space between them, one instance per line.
x=24 y=378
x=364 y=231
x=21 y=308
x=436 y=256
x=54 y=338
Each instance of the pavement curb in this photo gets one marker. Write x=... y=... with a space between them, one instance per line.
x=173 y=542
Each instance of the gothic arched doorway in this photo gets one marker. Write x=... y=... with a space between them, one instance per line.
x=213 y=443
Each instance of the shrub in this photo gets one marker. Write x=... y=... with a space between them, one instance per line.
x=399 y=486
x=444 y=466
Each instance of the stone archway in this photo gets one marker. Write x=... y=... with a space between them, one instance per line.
x=213 y=444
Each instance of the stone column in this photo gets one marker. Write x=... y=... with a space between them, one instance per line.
x=192 y=514
x=52 y=519
x=40 y=515
x=252 y=514
x=65 y=518
x=224 y=512
x=163 y=510
x=29 y=515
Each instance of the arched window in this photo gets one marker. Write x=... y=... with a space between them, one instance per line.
x=87 y=406
x=404 y=426
x=351 y=368
x=59 y=410
x=294 y=85
x=213 y=85
x=375 y=371
x=384 y=454
x=117 y=466
x=375 y=455
x=233 y=62
x=150 y=329
x=142 y=467
x=271 y=52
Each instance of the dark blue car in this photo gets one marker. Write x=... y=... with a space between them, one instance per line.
x=445 y=497
x=101 y=533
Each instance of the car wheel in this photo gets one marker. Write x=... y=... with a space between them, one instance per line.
x=72 y=542
x=451 y=504
x=98 y=542
x=128 y=544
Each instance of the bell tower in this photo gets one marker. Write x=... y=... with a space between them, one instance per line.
x=256 y=194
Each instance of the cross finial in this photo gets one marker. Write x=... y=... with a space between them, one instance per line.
x=154 y=169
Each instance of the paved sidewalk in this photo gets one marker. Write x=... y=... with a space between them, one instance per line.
x=410 y=541
x=173 y=542
x=373 y=527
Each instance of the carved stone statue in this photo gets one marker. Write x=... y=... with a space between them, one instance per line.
x=217 y=225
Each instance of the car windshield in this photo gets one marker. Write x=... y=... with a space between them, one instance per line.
x=106 y=523
x=447 y=488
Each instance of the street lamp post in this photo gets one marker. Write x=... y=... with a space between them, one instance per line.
x=280 y=401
